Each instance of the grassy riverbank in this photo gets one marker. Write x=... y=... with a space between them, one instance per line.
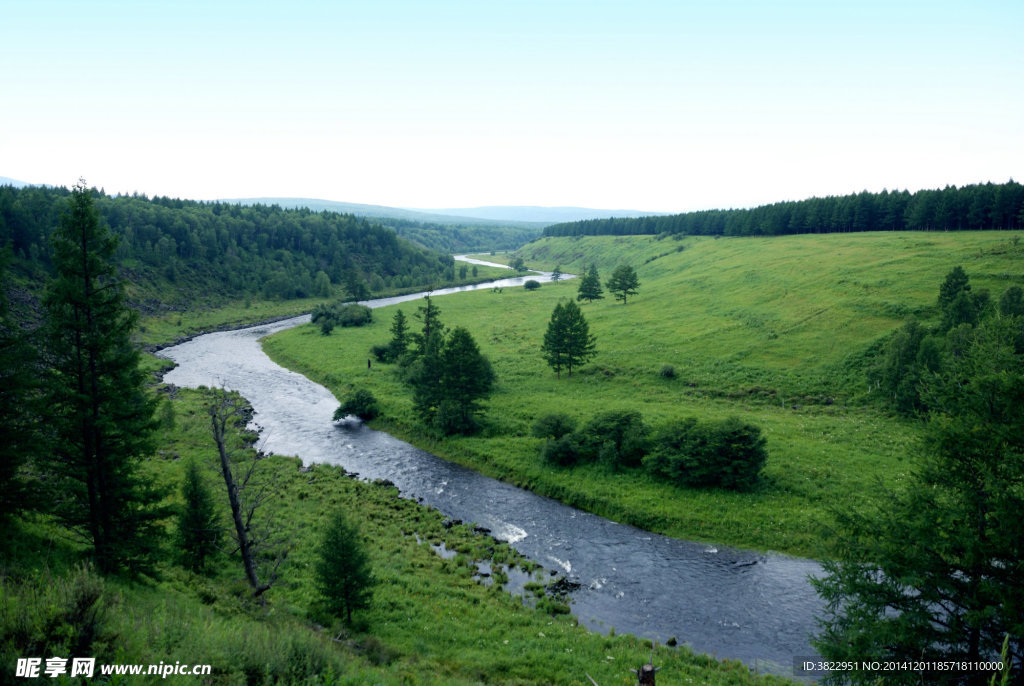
x=776 y=331
x=168 y=326
x=429 y=622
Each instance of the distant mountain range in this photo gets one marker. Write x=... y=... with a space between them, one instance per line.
x=527 y=216
x=533 y=213
x=7 y=181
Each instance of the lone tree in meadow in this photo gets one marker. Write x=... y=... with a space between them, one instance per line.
x=590 y=286
x=624 y=282
x=567 y=342
x=343 y=569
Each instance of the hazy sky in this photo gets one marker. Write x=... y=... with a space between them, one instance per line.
x=643 y=104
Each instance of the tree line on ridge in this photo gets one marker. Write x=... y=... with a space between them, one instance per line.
x=978 y=207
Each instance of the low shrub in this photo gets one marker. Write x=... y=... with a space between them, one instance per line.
x=57 y=615
x=617 y=437
x=554 y=425
x=380 y=353
x=354 y=315
x=531 y=285
x=360 y=403
x=728 y=454
x=329 y=316
x=564 y=451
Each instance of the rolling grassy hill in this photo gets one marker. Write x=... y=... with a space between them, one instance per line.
x=777 y=331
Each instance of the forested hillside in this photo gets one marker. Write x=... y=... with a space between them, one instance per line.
x=175 y=250
x=465 y=236
x=976 y=208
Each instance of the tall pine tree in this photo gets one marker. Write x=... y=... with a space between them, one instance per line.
x=99 y=413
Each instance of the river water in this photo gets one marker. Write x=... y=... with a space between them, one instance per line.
x=730 y=603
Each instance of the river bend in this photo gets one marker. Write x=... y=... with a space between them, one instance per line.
x=730 y=603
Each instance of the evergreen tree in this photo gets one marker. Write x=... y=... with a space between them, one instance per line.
x=466 y=380
x=425 y=378
x=18 y=388
x=430 y=316
x=343 y=569
x=399 y=337
x=449 y=382
x=556 y=275
x=956 y=283
x=590 y=286
x=937 y=572
x=624 y=282
x=199 y=529
x=100 y=415
x=567 y=340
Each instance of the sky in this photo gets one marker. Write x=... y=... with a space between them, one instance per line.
x=658 y=105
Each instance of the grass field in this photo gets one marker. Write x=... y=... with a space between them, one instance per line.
x=772 y=330
x=430 y=621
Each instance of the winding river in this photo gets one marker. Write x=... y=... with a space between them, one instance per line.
x=730 y=603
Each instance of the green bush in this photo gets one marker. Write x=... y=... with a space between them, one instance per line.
x=728 y=454
x=329 y=316
x=564 y=451
x=531 y=285
x=554 y=425
x=616 y=437
x=361 y=403
x=354 y=315
x=667 y=371
x=380 y=353
x=56 y=615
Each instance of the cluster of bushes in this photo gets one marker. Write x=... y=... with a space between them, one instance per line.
x=337 y=314
x=725 y=454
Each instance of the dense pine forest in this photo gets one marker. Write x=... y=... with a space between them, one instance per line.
x=178 y=249
x=970 y=208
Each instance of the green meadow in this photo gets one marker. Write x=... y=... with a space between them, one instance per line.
x=430 y=621
x=777 y=331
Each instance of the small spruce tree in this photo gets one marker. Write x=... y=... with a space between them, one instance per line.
x=343 y=569
x=199 y=527
x=590 y=286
